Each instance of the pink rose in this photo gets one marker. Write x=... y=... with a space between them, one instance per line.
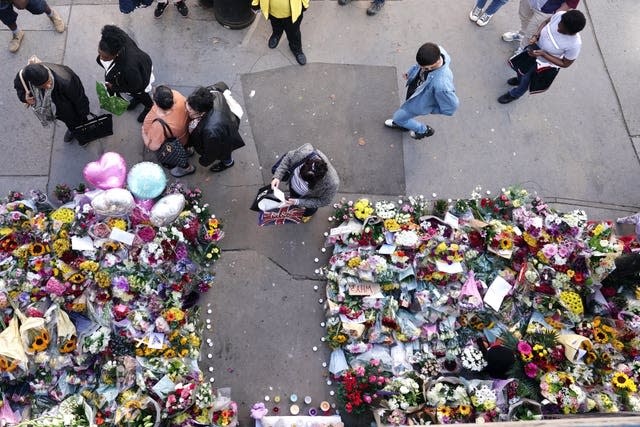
x=372 y=379
x=146 y=234
x=374 y=362
x=366 y=398
x=360 y=371
x=531 y=370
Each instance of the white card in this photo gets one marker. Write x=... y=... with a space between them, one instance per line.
x=279 y=194
x=452 y=220
x=121 y=236
x=156 y=340
x=496 y=293
x=82 y=243
x=350 y=227
x=387 y=249
x=452 y=268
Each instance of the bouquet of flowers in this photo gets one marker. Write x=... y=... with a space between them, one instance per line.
x=560 y=389
x=358 y=387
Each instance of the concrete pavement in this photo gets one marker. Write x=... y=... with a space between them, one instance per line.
x=573 y=144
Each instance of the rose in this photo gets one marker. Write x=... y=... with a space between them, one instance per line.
x=146 y=234
x=531 y=370
x=101 y=230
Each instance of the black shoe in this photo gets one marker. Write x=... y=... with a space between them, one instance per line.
x=135 y=101
x=69 y=136
x=374 y=8
x=159 y=10
x=274 y=40
x=343 y=2
x=190 y=151
x=143 y=114
x=301 y=58
x=506 y=98
x=182 y=8
x=220 y=166
x=513 y=81
x=83 y=143
x=428 y=132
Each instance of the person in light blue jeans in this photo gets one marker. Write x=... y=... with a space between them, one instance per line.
x=430 y=90
x=482 y=18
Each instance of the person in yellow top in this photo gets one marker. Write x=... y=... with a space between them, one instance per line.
x=285 y=16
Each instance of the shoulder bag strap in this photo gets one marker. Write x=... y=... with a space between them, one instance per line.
x=165 y=128
x=24 y=85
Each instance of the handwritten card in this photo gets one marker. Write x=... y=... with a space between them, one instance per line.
x=452 y=220
x=350 y=227
x=387 y=249
x=363 y=288
x=496 y=293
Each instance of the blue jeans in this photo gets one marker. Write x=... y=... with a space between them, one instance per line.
x=493 y=7
x=378 y=1
x=523 y=84
x=9 y=16
x=406 y=120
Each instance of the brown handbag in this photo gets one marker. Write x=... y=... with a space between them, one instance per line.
x=20 y=4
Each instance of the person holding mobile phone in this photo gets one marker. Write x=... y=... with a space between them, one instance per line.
x=53 y=92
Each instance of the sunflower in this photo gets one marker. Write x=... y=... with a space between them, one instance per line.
x=464 y=410
x=590 y=358
x=77 y=278
x=506 y=244
x=446 y=411
x=38 y=344
x=111 y=246
x=600 y=336
x=37 y=249
x=133 y=404
x=170 y=353
x=69 y=345
x=184 y=352
x=6 y=366
x=618 y=345
x=619 y=380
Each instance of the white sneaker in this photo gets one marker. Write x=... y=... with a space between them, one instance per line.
x=475 y=14
x=483 y=20
x=512 y=36
x=391 y=124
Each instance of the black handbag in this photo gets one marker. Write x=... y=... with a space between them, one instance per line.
x=269 y=201
x=96 y=128
x=171 y=153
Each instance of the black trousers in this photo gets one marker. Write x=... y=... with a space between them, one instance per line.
x=292 y=29
x=144 y=98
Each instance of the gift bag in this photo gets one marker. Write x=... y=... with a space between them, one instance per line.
x=286 y=215
x=95 y=128
x=265 y=200
x=111 y=103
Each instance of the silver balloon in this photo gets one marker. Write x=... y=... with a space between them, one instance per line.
x=167 y=209
x=113 y=202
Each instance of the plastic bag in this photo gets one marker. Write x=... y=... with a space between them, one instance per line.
x=470 y=298
x=338 y=362
x=378 y=352
x=111 y=103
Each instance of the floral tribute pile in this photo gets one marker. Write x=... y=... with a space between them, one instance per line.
x=481 y=309
x=97 y=313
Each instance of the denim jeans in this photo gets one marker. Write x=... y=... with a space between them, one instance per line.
x=9 y=16
x=378 y=1
x=523 y=84
x=493 y=7
x=407 y=121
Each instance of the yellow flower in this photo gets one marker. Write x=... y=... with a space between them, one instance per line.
x=445 y=411
x=391 y=224
x=619 y=380
x=464 y=410
x=571 y=273
x=102 y=279
x=89 y=266
x=598 y=230
x=505 y=244
x=442 y=246
x=64 y=215
x=60 y=246
x=184 y=352
x=170 y=353
x=599 y=336
x=529 y=239
x=354 y=262
x=37 y=249
x=117 y=223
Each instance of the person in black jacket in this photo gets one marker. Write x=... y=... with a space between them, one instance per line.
x=43 y=85
x=127 y=68
x=213 y=128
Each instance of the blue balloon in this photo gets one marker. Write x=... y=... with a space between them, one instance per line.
x=146 y=180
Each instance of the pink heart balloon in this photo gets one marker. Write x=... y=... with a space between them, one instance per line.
x=108 y=172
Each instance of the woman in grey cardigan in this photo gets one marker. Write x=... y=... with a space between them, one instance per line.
x=313 y=182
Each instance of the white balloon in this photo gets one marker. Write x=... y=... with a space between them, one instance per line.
x=167 y=209
x=113 y=202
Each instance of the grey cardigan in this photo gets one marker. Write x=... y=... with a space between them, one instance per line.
x=323 y=192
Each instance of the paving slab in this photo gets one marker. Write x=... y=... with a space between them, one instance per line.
x=329 y=106
x=22 y=183
x=260 y=345
x=615 y=24
x=30 y=22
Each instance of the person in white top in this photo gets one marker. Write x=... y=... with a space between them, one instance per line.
x=556 y=45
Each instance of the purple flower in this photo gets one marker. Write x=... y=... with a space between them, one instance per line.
x=531 y=370
x=121 y=283
x=549 y=250
x=563 y=251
